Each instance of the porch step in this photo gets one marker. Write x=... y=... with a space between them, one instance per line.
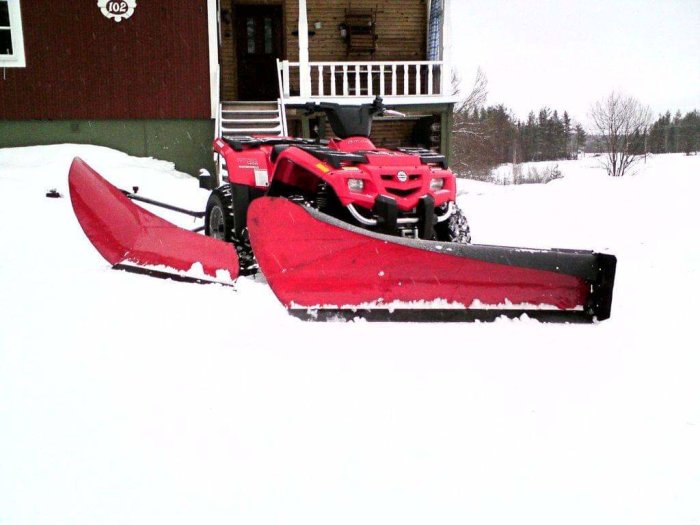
x=247 y=109
x=246 y=106
x=257 y=120
x=239 y=118
x=249 y=102
x=276 y=131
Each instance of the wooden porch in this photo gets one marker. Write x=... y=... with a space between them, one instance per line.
x=297 y=51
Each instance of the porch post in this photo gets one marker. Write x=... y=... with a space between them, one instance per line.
x=446 y=79
x=446 y=121
x=214 y=71
x=304 y=70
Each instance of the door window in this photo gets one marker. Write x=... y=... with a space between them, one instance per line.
x=250 y=34
x=268 y=35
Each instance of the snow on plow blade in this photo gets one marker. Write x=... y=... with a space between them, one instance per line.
x=322 y=268
x=133 y=239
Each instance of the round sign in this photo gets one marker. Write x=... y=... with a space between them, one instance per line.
x=117 y=10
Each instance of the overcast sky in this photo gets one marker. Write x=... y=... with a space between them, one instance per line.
x=567 y=54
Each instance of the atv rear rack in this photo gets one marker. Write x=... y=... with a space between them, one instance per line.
x=246 y=142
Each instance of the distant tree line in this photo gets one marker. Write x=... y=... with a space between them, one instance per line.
x=486 y=136
x=490 y=135
x=677 y=134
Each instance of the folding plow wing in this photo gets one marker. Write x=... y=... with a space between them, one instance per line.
x=134 y=239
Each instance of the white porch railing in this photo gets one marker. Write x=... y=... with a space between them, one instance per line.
x=362 y=79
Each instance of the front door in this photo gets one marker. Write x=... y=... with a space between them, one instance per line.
x=258 y=45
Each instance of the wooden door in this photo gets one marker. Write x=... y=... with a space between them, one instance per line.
x=258 y=45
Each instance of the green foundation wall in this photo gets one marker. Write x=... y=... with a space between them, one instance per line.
x=187 y=143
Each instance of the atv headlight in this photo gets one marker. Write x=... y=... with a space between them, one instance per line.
x=356 y=184
x=437 y=184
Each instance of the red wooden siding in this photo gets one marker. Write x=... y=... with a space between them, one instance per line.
x=81 y=65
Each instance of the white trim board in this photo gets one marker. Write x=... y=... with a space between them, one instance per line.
x=213 y=27
x=17 y=58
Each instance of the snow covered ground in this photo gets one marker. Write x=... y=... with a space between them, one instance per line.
x=126 y=399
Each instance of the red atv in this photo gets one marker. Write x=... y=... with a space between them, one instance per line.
x=342 y=228
x=407 y=192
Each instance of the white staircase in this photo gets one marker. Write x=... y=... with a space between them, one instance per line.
x=240 y=119
x=237 y=119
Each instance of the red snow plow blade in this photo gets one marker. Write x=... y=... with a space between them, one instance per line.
x=132 y=238
x=322 y=268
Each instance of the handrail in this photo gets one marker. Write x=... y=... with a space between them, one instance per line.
x=369 y=62
x=388 y=78
x=283 y=116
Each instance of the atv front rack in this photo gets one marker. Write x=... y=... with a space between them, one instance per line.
x=426 y=156
x=334 y=157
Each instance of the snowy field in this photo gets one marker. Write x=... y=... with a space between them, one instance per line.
x=131 y=400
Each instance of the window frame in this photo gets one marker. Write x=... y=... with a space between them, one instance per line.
x=17 y=58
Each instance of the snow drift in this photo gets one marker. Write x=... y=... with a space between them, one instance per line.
x=125 y=399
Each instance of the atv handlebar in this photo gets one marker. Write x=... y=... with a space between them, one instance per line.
x=393 y=113
x=377 y=107
x=351 y=120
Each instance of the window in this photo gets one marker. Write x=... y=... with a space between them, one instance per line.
x=268 y=36
x=11 y=38
x=250 y=31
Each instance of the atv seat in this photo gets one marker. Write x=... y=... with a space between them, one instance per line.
x=276 y=150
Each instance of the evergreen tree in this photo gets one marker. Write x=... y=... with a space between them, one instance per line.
x=580 y=138
x=675 y=132
x=542 y=138
x=689 y=132
x=657 y=136
x=566 y=120
x=667 y=133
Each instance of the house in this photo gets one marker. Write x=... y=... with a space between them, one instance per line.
x=162 y=77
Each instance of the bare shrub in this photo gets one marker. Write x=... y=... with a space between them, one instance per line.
x=467 y=132
x=622 y=123
x=517 y=173
x=474 y=99
x=541 y=175
x=533 y=175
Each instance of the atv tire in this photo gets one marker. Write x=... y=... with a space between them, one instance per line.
x=220 y=223
x=455 y=229
x=219 y=217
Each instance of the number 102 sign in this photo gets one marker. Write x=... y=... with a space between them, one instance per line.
x=117 y=9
